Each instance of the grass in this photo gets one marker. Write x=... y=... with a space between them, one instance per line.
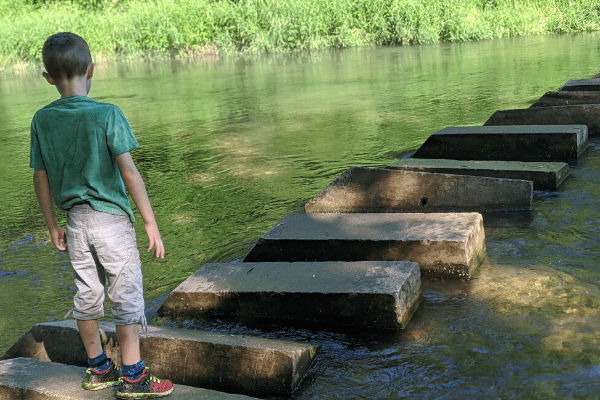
x=185 y=27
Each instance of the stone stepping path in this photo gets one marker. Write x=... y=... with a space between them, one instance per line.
x=544 y=175
x=579 y=85
x=373 y=295
x=515 y=142
x=579 y=114
x=364 y=190
x=27 y=378
x=238 y=364
x=443 y=244
x=553 y=99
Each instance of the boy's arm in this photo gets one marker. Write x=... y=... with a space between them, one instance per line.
x=44 y=198
x=135 y=185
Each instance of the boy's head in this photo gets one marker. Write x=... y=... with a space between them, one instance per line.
x=65 y=56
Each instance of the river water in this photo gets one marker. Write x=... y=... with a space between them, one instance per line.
x=229 y=145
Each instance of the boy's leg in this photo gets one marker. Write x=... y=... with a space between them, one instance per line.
x=136 y=380
x=129 y=340
x=89 y=301
x=116 y=248
x=91 y=337
x=102 y=372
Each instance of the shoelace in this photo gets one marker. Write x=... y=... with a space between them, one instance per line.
x=152 y=377
x=89 y=370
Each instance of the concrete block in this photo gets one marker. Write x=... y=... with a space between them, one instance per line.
x=26 y=378
x=229 y=363
x=362 y=190
x=375 y=295
x=553 y=99
x=544 y=175
x=513 y=142
x=579 y=85
x=579 y=114
x=450 y=244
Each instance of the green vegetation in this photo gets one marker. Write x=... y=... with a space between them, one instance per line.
x=185 y=27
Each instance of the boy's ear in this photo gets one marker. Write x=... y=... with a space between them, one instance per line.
x=90 y=71
x=49 y=78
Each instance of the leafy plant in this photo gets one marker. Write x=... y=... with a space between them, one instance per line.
x=261 y=26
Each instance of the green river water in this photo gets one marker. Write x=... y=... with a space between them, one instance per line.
x=231 y=144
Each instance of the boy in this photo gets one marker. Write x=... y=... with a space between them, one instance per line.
x=80 y=152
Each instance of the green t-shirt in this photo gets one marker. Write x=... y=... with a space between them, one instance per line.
x=76 y=139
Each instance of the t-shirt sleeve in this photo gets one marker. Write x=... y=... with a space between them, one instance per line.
x=36 y=160
x=119 y=136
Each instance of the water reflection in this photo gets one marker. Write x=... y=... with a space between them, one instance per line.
x=232 y=145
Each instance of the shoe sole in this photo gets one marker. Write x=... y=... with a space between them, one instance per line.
x=121 y=395
x=100 y=386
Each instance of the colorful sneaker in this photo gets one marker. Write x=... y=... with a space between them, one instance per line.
x=146 y=387
x=96 y=380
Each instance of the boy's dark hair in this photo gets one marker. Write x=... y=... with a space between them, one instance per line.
x=66 y=55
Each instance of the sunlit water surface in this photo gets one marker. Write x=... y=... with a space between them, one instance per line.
x=230 y=145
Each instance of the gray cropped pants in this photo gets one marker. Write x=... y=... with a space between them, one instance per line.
x=104 y=255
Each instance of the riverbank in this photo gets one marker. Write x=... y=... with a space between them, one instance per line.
x=187 y=28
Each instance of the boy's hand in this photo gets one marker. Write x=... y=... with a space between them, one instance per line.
x=58 y=238
x=155 y=240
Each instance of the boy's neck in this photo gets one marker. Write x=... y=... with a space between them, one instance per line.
x=77 y=86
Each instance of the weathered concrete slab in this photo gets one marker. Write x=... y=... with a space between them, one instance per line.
x=544 y=175
x=30 y=379
x=578 y=85
x=580 y=114
x=450 y=244
x=511 y=142
x=386 y=190
x=369 y=294
x=553 y=99
x=230 y=363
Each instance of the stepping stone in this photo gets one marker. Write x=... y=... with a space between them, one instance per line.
x=238 y=364
x=580 y=85
x=513 y=142
x=544 y=175
x=579 y=114
x=374 y=295
x=553 y=99
x=450 y=244
x=362 y=190
x=26 y=378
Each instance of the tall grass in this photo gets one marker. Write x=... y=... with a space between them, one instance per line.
x=259 y=26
